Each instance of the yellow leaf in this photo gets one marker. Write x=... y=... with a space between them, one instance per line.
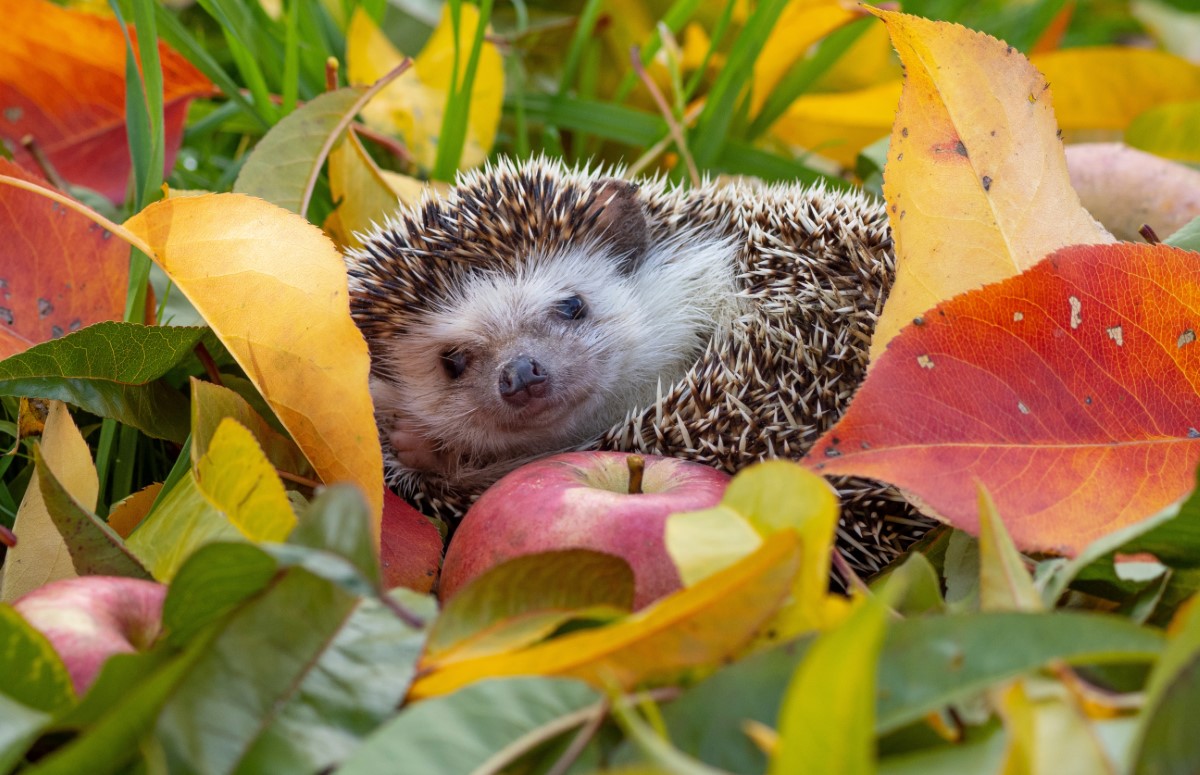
x=802 y=23
x=357 y=184
x=1047 y=731
x=1106 y=87
x=232 y=494
x=705 y=542
x=976 y=182
x=413 y=106
x=273 y=288
x=838 y=126
x=694 y=628
x=868 y=61
x=41 y=555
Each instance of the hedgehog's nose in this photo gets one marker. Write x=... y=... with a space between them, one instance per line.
x=522 y=379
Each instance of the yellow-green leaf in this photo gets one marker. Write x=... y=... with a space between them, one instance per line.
x=694 y=628
x=1004 y=583
x=41 y=555
x=1171 y=130
x=273 y=288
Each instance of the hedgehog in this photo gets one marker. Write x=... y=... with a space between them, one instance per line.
x=536 y=308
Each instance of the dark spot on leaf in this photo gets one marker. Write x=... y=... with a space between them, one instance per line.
x=1046 y=86
x=864 y=445
x=6 y=315
x=993 y=133
x=76 y=324
x=13 y=113
x=832 y=452
x=1058 y=134
x=904 y=132
x=918 y=321
x=987 y=183
x=900 y=156
x=1088 y=400
x=1008 y=50
x=44 y=307
x=56 y=331
x=960 y=149
x=902 y=212
x=1193 y=433
x=106 y=235
x=835 y=440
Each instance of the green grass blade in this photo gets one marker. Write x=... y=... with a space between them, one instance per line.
x=291 y=57
x=580 y=41
x=453 y=135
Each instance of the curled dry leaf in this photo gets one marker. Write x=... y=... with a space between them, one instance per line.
x=976 y=182
x=1069 y=391
x=1126 y=188
x=59 y=271
x=273 y=288
x=62 y=81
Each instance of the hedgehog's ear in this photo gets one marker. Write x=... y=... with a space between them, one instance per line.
x=620 y=221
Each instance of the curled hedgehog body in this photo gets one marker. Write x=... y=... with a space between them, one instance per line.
x=535 y=309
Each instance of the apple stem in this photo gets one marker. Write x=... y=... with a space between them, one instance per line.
x=637 y=466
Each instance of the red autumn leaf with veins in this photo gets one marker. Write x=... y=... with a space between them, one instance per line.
x=62 y=82
x=1070 y=391
x=58 y=270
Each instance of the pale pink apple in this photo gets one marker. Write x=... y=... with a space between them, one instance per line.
x=90 y=618
x=581 y=500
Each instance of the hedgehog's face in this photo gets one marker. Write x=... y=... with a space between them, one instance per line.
x=520 y=363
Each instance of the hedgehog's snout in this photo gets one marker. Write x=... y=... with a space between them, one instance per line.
x=523 y=379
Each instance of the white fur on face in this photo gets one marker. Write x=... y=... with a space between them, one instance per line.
x=640 y=330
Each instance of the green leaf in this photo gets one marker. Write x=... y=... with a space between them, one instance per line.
x=982 y=751
x=1168 y=130
x=1166 y=742
x=214 y=581
x=474 y=729
x=657 y=751
x=356 y=684
x=338 y=522
x=914 y=586
x=279 y=649
x=928 y=663
x=20 y=725
x=95 y=548
x=289 y=156
x=213 y=403
x=827 y=722
x=1187 y=237
x=109 y=369
x=1004 y=583
x=525 y=599
x=34 y=676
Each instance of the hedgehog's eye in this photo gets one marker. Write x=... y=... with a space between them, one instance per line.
x=455 y=362
x=571 y=308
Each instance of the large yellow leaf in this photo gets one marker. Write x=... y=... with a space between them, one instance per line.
x=802 y=23
x=414 y=105
x=692 y=628
x=839 y=125
x=273 y=288
x=41 y=555
x=976 y=181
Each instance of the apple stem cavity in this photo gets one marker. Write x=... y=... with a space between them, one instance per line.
x=637 y=467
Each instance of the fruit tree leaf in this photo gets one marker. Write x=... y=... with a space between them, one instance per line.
x=1004 y=581
x=410 y=546
x=1165 y=745
x=337 y=522
x=1069 y=391
x=1048 y=730
x=233 y=493
x=976 y=182
x=95 y=548
x=1187 y=237
x=34 y=675
x=523 y=600
x=471 y=729
x=695 y=627
x=414 y=105
x=62 y=81
x=109 y=369
x=213 y=403
x=58 y=270
x=827 y=722
x=215 y=579
x=360 y=188
x=127 y=513
x=930 y=662
x=41 y=554
x=1168 y=130
x=274 y=290
x=20 y=725
x=799 y=27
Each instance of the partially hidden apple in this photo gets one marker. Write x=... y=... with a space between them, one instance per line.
x=583 y=500
x=90 y=618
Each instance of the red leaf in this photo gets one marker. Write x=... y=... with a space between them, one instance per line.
x=411 y=547
x=62 y=81
x=58 y=270
x=1070 y=391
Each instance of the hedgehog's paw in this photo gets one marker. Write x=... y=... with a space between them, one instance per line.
x=415 y=451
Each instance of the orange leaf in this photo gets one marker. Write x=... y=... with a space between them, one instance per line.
x=58 y=270
x=976 y=181
x=1069 y=391
x=695 y=627
x=62 y=81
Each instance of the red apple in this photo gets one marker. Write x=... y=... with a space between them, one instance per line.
x=90 y=618
x=582 y=500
